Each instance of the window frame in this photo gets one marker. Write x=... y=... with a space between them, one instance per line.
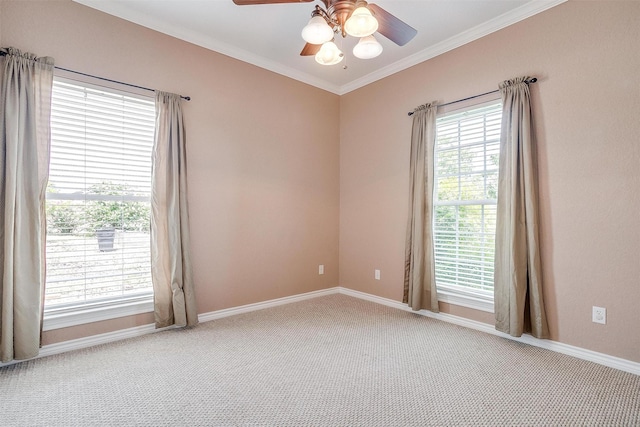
x=73 y=314
x=458 y=295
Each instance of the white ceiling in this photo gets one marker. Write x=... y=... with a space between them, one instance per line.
x=269 y=35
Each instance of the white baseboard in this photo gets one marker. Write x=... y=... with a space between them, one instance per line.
x=93 y=340
x=218 y=314
x=580 y=353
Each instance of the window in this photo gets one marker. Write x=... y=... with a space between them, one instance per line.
x=467 y=153
x=98 y=242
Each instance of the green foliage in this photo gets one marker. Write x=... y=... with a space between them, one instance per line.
x=66 y=217
x=465 y=233
x=122 y=215
x=61 y=217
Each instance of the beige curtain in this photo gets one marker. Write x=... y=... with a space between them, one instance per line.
x=173 y=288
x=419 y=267
x=518 y=298
x=25 y=110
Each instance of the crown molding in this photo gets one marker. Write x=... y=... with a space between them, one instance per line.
x=249 y=58
x=475 y=33
x=120 y=9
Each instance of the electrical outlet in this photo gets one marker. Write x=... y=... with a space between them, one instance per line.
x=321 y=269
x=599 y=315
x=376 y=274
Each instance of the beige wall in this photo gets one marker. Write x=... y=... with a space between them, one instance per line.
x=266 y=198
x=263 y=170
x=587 y=104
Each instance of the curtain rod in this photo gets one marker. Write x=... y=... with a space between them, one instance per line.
x=3 y=52
x=533 y=80
x=187 y=98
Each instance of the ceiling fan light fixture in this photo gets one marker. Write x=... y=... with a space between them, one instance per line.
x=329 y=54
x=361 y=23
x=317 y=31
x=367 y=48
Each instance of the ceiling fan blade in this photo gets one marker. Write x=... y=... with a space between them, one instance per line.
x=250 y=2
x=310 y=49
x=391 y=27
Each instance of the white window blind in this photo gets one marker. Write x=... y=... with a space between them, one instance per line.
x=98 y=196
x=466 y=183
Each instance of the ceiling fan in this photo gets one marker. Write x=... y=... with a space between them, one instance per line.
x=356 y=18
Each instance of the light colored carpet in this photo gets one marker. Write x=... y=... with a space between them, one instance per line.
x=329 y=361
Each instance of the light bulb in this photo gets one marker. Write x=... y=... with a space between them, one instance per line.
x=367 y=48
x=317 y=31
x=361 y=23
x=329 y=54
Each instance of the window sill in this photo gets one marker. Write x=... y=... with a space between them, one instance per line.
x=65 y=317
x=476 y=301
